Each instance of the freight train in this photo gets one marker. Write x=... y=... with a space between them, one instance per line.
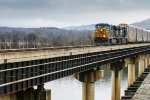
x=106 y=34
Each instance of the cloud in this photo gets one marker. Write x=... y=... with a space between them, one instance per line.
x=69 y=11
x=71 y=6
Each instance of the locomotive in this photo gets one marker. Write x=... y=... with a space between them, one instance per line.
x=106 y=34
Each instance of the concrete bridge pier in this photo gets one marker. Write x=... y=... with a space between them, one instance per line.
x=142 y=60
x=116 y=67
x=88 y=80
x=131 y=70
x=148 y=59
x=30 y=94
x=35 y=94
x=42 y=93
x=9 y=97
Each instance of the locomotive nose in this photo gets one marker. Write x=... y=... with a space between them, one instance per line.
x=104 y=35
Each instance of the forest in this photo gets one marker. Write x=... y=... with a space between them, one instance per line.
x=14 y=38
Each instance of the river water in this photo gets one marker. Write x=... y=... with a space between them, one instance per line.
x=71 y=89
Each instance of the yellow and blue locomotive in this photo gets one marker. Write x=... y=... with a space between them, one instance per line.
x=106 y=34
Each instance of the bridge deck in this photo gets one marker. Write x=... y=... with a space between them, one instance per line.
x=143 y=92
x=21 y=75
x=42 y=53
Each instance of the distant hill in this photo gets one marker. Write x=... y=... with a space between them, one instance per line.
x=44 y=36
x=91 y=27
x=143 y=24
x=27 y=30
x=81 y=28
x=47 y=30
x=44 y=32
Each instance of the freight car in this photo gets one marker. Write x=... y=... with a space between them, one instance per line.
x=106 y=34
x=136 y=34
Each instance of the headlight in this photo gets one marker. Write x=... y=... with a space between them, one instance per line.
x=104 y=36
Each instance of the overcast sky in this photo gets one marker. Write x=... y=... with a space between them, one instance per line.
x=63 y=13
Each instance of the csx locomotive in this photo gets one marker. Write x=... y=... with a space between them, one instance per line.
x=110 y=34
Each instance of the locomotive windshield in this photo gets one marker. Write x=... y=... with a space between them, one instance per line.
x=102 y=26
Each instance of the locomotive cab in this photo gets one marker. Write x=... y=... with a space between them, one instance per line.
x=124 y=31
x=101 y=33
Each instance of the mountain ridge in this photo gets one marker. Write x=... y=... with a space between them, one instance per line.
x=143 y=24
x=82 y=27
x=91 y=27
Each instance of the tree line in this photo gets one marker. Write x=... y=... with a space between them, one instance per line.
x=44 y=37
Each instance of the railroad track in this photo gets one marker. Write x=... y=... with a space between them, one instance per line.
x=63 y=47
x=44 y=48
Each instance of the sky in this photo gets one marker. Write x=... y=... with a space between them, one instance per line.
x=65 y=13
